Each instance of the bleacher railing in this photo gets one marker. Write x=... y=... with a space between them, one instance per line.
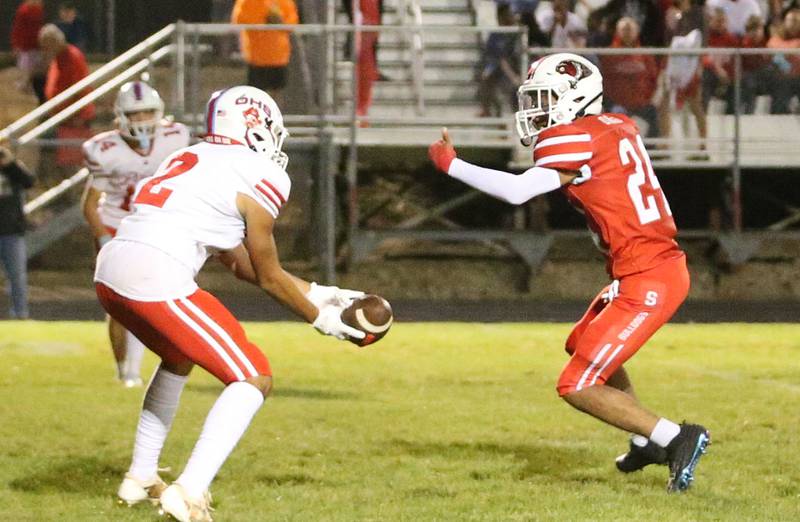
x=735 y=140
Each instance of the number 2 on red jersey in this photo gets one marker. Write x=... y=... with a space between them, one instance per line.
x=154 y=194
x=646 y=207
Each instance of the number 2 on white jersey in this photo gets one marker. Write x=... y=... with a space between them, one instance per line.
x=152 y=193
x=646 y=208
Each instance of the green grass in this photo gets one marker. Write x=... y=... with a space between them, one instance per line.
x=437 y=422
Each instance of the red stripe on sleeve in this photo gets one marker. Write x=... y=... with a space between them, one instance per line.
x=276 y=191
x=269 y=196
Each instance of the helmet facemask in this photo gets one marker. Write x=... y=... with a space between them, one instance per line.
x=269 y=140
x=536 y=108
x=141 y=129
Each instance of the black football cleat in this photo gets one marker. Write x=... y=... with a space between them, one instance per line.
x=683 y=454
x=640 y=456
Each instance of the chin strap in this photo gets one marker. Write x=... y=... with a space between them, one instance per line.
x=582 y=111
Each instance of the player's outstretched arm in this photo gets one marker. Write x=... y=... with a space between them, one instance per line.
x=511 y=188
x=273 y=279
x=89 y=202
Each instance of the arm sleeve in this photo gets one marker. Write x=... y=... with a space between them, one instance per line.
x=99 y=179
x=511 y=188
x=269 y=187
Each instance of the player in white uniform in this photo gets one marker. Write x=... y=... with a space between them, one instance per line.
x=117 y=161
x=217 y=198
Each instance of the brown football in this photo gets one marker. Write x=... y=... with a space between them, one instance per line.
x=372 y=314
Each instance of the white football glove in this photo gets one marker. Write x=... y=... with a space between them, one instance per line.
x=322 y=296
x=611 y=292
x=586 y=175
x=329 y=322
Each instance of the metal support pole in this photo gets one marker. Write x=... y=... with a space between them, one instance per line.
x=352 y=159
x=736 y=172
x=194 y=80
x=326 y=193
x=111 y=34
x=180 y=70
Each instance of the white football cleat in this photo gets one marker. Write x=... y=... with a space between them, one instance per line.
x=176 y=503
x=132 y=490
x=135 y=382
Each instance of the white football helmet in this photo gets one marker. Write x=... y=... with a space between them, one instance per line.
x=248 y=116
x=560 y=88
x=136 y=97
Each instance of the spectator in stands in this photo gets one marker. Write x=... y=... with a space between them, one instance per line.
x=348 y=8
x=736 y=11
x=564 y=28
x=631 y=80
x=25 y=27
x=718 y=70
x=788 y=84
x=525 y=11
x=759 y=74
x=681 y=81
x=682 y=85
x=14 y=179
x=646 y=13
x=499 y=75
x=72 y=24
x=267 y=53
x=67 y=67
x=683 y=17
x=369 y=13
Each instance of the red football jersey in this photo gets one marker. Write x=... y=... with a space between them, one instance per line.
x=623 y=202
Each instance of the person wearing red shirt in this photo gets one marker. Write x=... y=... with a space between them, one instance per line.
x=718 y=73
x=25 y=27
x=599 y=162
x=631 y=80
x=67 y=67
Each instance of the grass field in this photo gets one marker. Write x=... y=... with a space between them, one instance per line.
x=437 y=422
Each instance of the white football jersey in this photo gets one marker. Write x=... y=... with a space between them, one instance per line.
x=188 y=208
x=116 y=168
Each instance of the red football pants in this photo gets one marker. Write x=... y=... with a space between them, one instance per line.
x=197 y=328
x=609 y=334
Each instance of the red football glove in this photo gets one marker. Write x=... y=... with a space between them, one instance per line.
x=442 y=152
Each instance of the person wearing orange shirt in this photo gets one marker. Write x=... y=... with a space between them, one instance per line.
x=267 y=53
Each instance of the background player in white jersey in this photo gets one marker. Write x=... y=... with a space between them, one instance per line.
x=118 y=160
x=219 y=197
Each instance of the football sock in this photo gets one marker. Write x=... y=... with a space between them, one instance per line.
x=120 y=369
x=224 y=426
x=158 y=411
x=133 y=358
x=640 y=441
x=664 y=432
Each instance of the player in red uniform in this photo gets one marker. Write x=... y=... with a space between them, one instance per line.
x=600 y=163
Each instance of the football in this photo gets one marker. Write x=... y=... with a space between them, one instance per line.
x=372 y=314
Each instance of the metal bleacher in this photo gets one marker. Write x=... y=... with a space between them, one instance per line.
x=428 y=50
